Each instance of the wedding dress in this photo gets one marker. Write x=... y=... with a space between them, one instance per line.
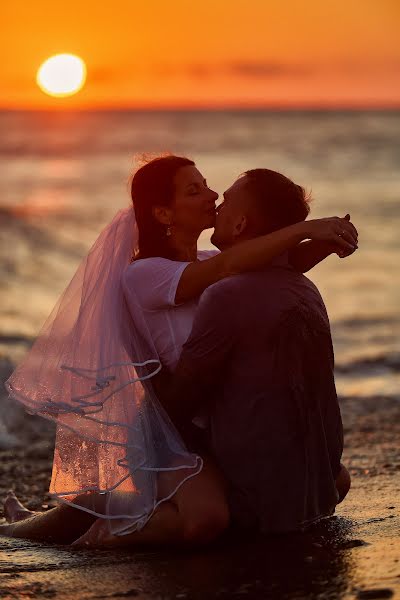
x=90 y=370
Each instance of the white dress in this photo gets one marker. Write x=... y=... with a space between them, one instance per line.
x=152 y=282
x=116 y=456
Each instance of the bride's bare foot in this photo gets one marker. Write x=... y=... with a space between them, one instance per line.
x=98 y=535
x=14 y=510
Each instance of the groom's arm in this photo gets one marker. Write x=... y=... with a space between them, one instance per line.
x=307 y=255
x=203 y=359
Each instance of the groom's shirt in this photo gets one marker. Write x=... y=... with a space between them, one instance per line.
x=261 y=349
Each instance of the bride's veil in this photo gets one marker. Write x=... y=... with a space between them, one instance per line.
x=117 y=454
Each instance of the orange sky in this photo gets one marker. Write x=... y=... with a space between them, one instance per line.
x=158 y=53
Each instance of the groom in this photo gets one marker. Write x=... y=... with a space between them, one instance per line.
x=259 y=361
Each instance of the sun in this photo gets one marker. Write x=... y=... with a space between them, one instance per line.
x=61 y=75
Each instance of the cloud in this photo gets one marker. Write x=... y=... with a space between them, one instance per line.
x=264 y=69
x=247 y=69
x=166 y=72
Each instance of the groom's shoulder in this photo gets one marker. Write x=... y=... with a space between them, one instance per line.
x=232 y=291
x=240 y=284
x=223 y=291
x=260 y=284
x=232 y=283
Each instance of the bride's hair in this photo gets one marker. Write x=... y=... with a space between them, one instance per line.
x=153 y=185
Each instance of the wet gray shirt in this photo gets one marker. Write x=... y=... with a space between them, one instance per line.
x=261 y=347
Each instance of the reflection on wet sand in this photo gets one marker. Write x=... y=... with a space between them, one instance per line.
x=343 y=556
x=280 y=566
x=283 y=566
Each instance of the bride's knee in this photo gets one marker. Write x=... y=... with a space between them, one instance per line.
x=91 y=501
x=343 y=483
x=208 y=525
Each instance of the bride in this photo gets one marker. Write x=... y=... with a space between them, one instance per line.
x=121 y=472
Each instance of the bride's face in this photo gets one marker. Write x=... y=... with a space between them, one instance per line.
x=194 y=206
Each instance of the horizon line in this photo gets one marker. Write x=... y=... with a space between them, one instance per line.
x=209 y=108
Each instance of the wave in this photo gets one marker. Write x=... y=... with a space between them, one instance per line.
x=15 y=338
x=388 y=362
x=79 y=133
x=367 y=321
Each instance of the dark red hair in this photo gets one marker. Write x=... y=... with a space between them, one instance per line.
x=153 y=185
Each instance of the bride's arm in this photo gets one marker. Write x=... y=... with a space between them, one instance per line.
x=257 y=253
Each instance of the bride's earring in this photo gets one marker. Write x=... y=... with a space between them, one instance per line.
x=168 y=230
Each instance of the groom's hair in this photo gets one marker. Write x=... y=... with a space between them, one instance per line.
x=277 y=201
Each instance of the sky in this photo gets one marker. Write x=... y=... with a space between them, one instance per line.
x=209 y=54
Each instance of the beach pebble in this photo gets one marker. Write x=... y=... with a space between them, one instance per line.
x=127 y=594
x=353 y=544
x=377 y=593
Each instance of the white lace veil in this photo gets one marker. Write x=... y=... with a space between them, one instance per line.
x=117 y=454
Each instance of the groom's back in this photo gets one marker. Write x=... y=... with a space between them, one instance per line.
x=276 y=428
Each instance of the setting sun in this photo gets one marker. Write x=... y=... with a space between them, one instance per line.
x=61 y=75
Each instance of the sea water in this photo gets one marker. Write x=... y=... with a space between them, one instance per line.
x=65 y=174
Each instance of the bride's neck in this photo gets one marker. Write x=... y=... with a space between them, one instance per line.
x=185 y=246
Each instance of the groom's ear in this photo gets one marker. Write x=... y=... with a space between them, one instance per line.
x=240 y=226
x=162 y=214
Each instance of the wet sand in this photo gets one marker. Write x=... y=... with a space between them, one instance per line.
x=354 y=554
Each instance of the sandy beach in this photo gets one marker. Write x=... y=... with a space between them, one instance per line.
x=353 y=554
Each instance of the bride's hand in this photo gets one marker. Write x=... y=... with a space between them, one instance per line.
x=335 y=230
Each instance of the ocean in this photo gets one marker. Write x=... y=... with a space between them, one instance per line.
x=65 y=174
